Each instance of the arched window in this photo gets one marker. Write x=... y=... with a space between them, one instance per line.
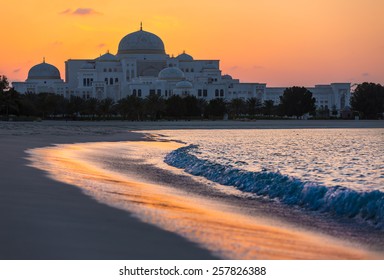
x=216 y=92
x=106 y=80
x=139 y=93
x=111 y=81
x=134 y=92
x=221 y=92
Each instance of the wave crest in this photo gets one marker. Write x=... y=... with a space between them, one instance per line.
x=336 y=200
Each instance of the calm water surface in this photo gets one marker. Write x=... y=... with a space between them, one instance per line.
x=352 y=158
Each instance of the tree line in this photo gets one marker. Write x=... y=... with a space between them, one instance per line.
x=152 y=107
x=367 y=99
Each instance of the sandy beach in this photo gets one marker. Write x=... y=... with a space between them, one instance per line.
x=47 y=219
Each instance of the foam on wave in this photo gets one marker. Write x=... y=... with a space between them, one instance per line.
x=336 y=200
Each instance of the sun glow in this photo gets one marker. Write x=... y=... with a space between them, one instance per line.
x=278 y=42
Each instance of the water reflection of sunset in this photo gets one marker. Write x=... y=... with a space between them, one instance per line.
x=229 y=234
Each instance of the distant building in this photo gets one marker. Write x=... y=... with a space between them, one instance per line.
x=142 y=67
x=42 y=77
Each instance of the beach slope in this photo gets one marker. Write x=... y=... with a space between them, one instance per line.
x=44 y=219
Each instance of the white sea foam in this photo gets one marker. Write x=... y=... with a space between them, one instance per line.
x=338 y=171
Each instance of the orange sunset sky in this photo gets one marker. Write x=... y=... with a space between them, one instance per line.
x=278 y=42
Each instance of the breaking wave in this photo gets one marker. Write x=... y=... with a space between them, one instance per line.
x=336 y=200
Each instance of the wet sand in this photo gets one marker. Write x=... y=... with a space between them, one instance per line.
x=104 y=171
x=46 y=219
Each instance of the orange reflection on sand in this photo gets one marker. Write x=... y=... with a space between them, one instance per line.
x=206 y=222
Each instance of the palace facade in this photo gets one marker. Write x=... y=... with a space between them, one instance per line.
x=141 y=67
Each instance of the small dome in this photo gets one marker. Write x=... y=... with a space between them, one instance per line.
x=88 y=66
x=184 y=57
x=171 y=74
x=184 y=85
x=226 y=77
x=107 y=57
x=44 y=71
x=141 y=42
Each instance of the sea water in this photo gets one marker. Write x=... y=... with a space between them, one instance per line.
x=295 y=172
x=338 y=171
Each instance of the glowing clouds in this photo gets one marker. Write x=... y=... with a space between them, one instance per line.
x=80 y=12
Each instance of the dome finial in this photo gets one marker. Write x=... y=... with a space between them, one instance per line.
x=43 y=59
x=141 y=26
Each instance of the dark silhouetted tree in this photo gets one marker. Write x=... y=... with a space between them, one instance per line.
x=105 y=107
x=175 y=107
x=236 y=107
x=131 y=107
x=154 y=105
x=27 y=104
x=202 y=104
x=9 y=102
x=50 y=104
x=368 y=99
x=253 y=106
x=216 y=107
x=192 y=106
x=4 y=84
x=297 y=101
x=76 y=106
x=268 y=108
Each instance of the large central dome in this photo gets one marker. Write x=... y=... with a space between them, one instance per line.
x=141 y=42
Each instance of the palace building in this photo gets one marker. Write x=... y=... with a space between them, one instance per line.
x=142 y=67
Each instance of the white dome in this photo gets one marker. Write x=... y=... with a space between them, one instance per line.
x=226 y=77
x=184 y=57
x=171 y=74
x=44 y=71
x=141 y=42
x=184 y=84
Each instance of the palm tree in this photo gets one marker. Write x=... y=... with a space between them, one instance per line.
x=9 y=102
x=202 y=104
x=253 y=105
x=76 y=105
x=217 y=107
x=105 y=107
x=192 y=106
x=175 y=107
x=268 y=107
x=237 y=107
x=154 y=105
x=92 y=106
